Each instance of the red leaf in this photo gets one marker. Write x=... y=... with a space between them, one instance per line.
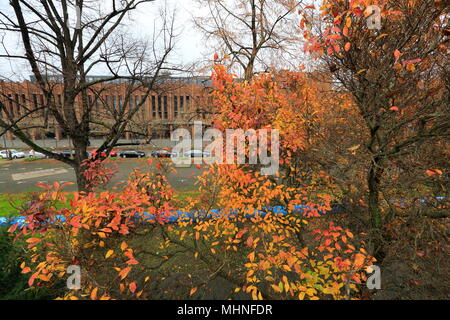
x=249 y=241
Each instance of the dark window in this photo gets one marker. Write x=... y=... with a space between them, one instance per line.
x=24 y=101
x=41 y=103
x=35 y=103
x=175 y=107
x=182 y=106
x=97 y=107
x=11 y=107
x=159 y=107
x=153 y=107
x=166 y=108
x=17 y=103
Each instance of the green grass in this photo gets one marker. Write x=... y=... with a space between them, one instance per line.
x=9 y=204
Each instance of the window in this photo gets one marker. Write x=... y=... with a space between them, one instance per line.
x=166 y=108
x=97 y=107
x=35 y=103
x=182 y=106
x=159 y=107
x=175 y=106
x=188 y=103
x=11 y=107
x=41 y=103
x=24 y=101
x=17 y=103
x=153 y=107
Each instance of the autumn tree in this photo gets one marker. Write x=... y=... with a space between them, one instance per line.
x=251 y=32
x=68 y=40
x=397 y=75
x=234 y=230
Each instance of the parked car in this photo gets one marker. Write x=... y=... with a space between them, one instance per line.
x=112 y=153
x=161 y=154
x=35 y=154
x=197 y=153
x=131 y=154
x=11 y=154
x=66 y=153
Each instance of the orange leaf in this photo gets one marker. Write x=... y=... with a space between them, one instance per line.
x=123 y=274
x=132 y=287
x=193 y=290
x=94 y=294
x=347 y=46
x=249 y=241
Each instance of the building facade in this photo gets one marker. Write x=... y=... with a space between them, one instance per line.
x=175 y=102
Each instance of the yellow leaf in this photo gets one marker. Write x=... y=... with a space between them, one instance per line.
x=109 y=253
x=276 y=288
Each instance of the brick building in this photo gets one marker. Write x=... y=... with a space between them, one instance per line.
x=175 y=102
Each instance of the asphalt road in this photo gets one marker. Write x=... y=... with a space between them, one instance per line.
x=19 y=176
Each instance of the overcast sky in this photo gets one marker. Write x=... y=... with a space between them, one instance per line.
x=189 y=47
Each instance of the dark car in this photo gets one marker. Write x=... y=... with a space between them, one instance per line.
x=161 y=154
x=131 y=154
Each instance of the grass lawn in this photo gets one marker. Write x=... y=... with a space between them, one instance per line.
x=9 y=203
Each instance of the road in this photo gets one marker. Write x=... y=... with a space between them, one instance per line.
x=19 y=176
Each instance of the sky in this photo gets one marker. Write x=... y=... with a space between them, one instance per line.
x=189 y=45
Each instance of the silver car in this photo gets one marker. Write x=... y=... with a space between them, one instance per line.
x=11 y=153
x=35 y=154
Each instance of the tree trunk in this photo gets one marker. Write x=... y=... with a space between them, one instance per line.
x=80 y=146
x=373 y=181
x=249 y=70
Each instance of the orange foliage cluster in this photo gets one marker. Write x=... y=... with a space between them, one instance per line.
x=265 y=249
